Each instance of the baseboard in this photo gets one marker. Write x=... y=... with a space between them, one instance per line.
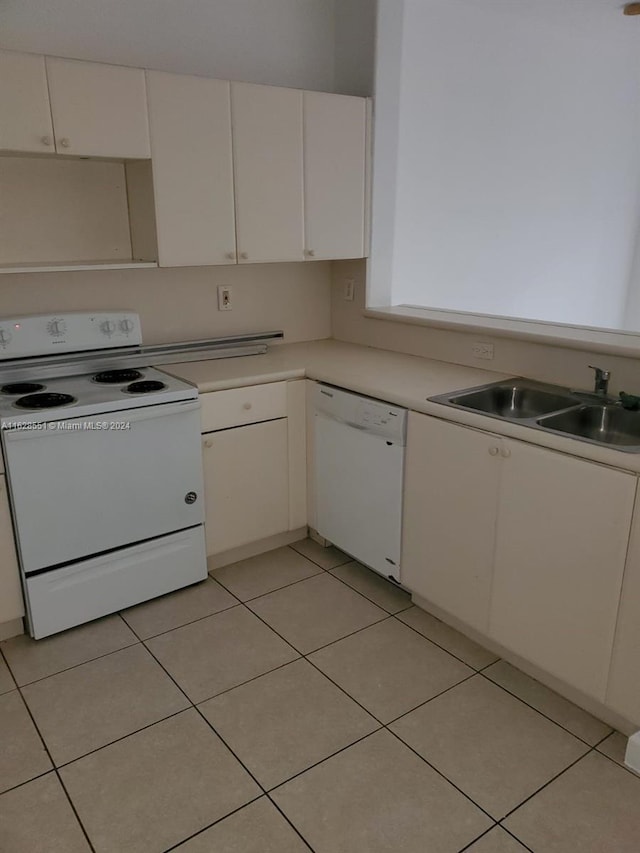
x=13 y=628
x=588 y=703
x=216 y=561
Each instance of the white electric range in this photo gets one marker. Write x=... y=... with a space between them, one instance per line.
x=104 y=469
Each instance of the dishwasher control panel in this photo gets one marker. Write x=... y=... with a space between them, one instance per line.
x=373 y=416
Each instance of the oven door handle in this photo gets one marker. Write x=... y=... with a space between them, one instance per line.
x=148 y=413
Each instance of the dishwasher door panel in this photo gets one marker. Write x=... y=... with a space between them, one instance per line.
x=359 y=480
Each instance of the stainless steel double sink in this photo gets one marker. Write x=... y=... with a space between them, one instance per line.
x=587 y=417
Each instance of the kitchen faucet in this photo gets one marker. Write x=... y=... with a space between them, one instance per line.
x=602 y=377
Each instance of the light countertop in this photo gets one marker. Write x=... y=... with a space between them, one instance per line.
x=405 y=380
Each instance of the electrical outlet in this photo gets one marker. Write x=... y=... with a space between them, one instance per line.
x=224 y=298
x=480 y=350
x=349 y=288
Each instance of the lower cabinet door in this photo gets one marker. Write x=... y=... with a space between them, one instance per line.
x=452 y=478
x=563 y=529
x=11 y=602
x=246 y=473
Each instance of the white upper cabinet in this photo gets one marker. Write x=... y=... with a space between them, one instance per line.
x=25 y=117
x=334 y=175
x=267 y=142
x=190 y=125
x=98 y=110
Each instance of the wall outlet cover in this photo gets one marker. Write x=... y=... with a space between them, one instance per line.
x=349 y=289
x=481 y=350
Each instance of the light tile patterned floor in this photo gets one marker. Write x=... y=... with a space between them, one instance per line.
x=296 y=701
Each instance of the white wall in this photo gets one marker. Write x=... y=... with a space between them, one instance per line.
x=543 y=362
x=279 y=42
x=518 y=175
x=182 y=304
x=355 y=46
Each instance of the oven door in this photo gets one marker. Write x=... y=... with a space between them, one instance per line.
x=88 y=485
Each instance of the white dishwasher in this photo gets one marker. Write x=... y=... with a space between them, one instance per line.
x=359 y=468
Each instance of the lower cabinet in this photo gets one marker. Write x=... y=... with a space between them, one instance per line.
x=254 y=457
x=450 y=504
x=246 y=484
x=525 y=544
x=11 y=601
x=561 y=542
x=623 y=693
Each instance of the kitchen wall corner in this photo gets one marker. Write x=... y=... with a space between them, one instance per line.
x=568 y=367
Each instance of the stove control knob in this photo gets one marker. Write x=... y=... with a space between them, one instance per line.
x=126 y=326
x=5 y=337
x=56 y=328
x=107 y=327
x=190 y=498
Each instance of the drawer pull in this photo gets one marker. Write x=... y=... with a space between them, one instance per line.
x=246 y=406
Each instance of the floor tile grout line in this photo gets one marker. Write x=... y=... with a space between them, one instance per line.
x=121 y=738
x=73 y=809
x=269 y=791
x=9 y=670
x=320 y=648
x=431 y=698
x=519 y=840
x=75 y=665
x=479 y=838
x=318 y=574
x=277 y=589
x=442 y=775
x=546 y=785
x=190 y=622
x=613 y=761
x=55 y=770
x=542 y=714
x=350 y=560
x=444 y=648
x=211 y=825
x=364 y=595
x=291 y=824
x=248 y=681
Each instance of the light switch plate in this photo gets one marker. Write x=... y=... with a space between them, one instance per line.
x=224 y=298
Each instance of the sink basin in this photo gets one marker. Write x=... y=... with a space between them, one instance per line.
x=606 y=424
x=514 y=400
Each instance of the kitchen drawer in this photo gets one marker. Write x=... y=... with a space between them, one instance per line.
x=238 y=406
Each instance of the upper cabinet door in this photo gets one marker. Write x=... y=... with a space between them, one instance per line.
x=25 y=117
x=267 y=140
x=98 y=110
x=334 y=175
x=190 y=124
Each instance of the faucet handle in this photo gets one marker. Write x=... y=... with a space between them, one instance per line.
x=601 y=373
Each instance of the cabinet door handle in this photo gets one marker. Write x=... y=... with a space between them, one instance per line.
x=506 y=453
x=493 y=451
x=231 y=256
x=311 y=253
x=246 y=406
x=244 y=256
x=65 y=142
x=208 y=443
x=46 y=140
